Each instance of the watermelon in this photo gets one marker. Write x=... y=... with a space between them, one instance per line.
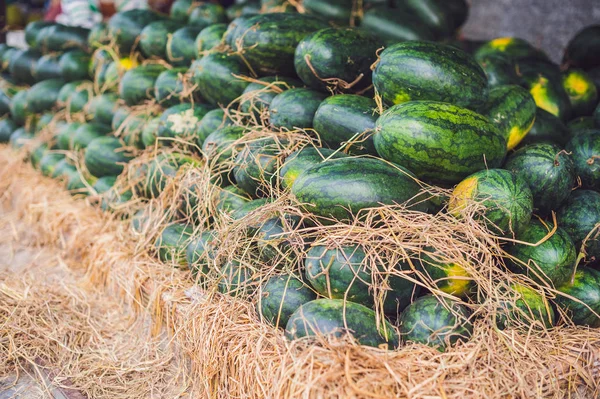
x=49 y=162
x=258 y=95
x=180 y=10
x=360 y=183
x=201 y=252
x=181 y=121
x=150 y=133
x=7 y=127
x=74 y=65
x=442 y=17
x=37 y=154
x=32 y=29
x=446 y=275
x=172 y=242
x=115 y=198
x=65 y=134
x=301 y=160
x=271 y=237
x=230 y=198
x=137 y=84
x=583 y=51
x=336 y=59
x=76 y=184
x=580 y=125
x=256 y=166
x=154 y=176
x=62 y=168
x=215 y=74
x=269 y=41
x=437 y=141
x=22 y=65
x=597 y=116
x=345 y=118
x=104 y=184
x=235 y=279
x=583 y=304
x=280 y=297
x=210 y=37
x=102 y=108
x=512 y=109
x=524 y=306
x=435 y=322
x=499 y=69
x=43 y=95
x=429 y=71
x=549 y=172
x=69 y=89
x=181 y=46
x=585 y=152
x=98 y=36
x=342 y=273
x=547 y=128
x=48 y=67
x=205 y=14
x=337 y=11
x=514 y=48
x=506 y=202
x=579 y=217
x=213 y=120
x=79 y=98
x=552 y=261
x=237 y=10
x=394 y=25
x=60 y=37
x=125 y=27
x=86 y=133
x=337 y=317
x=295 y=108
x=20 y=137
x=581 y=90
x=219 y=144
x=19 y=108
x=249 y=207
x=169 y=87
x=6 y=94
x=105 y=156
x=154 y=37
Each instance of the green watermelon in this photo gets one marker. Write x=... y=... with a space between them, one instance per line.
x=505 y=200
x=86 y=133
x=512 y=109
x=180 y=10
x=548 y=171
x=579 y=217
x=105 y=156
x=414 y=70
x=104 y=184
x=585 y=152
x=37 y=154
x=237 y=10
x=181 y=46
x=204 y=14
x=394 y=25
x=268 y=41
x=102 y=108
x=337 y=11
x=150 y=133
x=6 y=95
x=98 y=36
x=201 y=252
x=219 y=144
x=48 y=67
x=584 y=309
x=514 y=48
x=22 y=65
x=42 y=96
x=295 y=108
x=78 y=98
x=256 y=166
x=301 y=160
x=580 y=125
x=172 y=242
x=435 y=322
x=65 y=134
x=360 y=183
x=437 y=141
x=154 y=37
x=344 y=118
x=32 y=29
x=336 y=59
x=281 y=296
x=258 y=95
x=337 y=317
x=448 y=276
x=7 y=127
x=552 y=261
x=583 y=51
x=210 y=37
x=19 y=110
x=215 y=74
x=213 y=120
x=181 y=121
x=581 y=90
x=137 y=84
x=544 y=82
x=236 y=280
x=60 y=37
x=168 y=88
x=249 y=207
x=547 y=128
x=230 y=198
x=436 y=15
x=125 y=27
x=74 y=65
x=20 y=137
x=49 y=162
x=524 y=306
x=499 y=69
x=154 y=176
x=271 y=237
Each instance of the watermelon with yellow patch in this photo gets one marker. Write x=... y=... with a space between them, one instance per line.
x=581 y=90
x=448 y=275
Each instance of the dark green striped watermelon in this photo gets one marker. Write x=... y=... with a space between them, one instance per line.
x=303 y=159
x=580 y=217
x=435 y=322
x=180 y=10
x=499 y=69
x=154 y=37
x=22 y=65
x=359 y=183
x=32 y=29
x=337 y=11
x=86 y=133
x=523 y=307
x=75 y=65
x=125 y=27
x=549 y=172
x=154 y=176
x=7 y=127
x=150 y=133
x=512 y=109
x=337 y=317
x=295 y=108
x=547 y=128
x=48 y=67
x=201 y=253
x=20 y=138
x=272 y=236
x=213 y=120
x=103 y=184
x=446 y=275
x=49 y=162
x=219 y=144
x=437 y=141
x=105 y=156
x=65 y=134
x=268 y=41
x=551 y=262
x=214 y=75
x=585 y=152
x=429 y=71
x=79 y=98
x=18 y=108
x=98 y=36
x=256 y=166
x=249 y=207
x=181 y=46
x=583 y=51
x=37 y=154
x=181 y=121
x=584 y=309
x=60 y=37
x=336 y=59
x=172 y=243
x=42 y=96
x=506 y=202
x=513 y=48
x=137 y=84
x=169 y=87
x=204 y=14
x=230 y=198
x=281 y=296
x=102 y=108
x=580 y=125
x=239 y=9
x=394 y=25
x=581 y=90
x=442 y=17
x=347 y=121
x=258 y=95
x=210 y=37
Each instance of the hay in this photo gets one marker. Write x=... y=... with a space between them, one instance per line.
x=218 y=343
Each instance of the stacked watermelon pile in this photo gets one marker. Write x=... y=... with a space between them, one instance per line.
x=325 y=117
